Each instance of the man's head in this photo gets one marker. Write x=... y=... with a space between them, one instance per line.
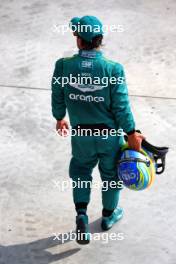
x=88 y=31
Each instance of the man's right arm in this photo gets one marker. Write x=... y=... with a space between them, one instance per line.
x=57 y=97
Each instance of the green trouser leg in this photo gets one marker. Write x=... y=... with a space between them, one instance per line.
x=110 y=198
x=111 y=184
x=81 y=165
x=108 y=153
x=81 y=180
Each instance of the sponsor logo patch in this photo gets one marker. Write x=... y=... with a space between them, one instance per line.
x=86 y=98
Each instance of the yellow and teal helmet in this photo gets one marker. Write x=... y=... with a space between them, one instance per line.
x=137 y=169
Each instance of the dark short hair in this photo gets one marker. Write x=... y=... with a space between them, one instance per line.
x=96 y=42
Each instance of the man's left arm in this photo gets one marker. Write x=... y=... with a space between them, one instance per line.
x=120 y=102
x=122 y=110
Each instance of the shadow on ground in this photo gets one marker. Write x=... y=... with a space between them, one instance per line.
x=36 y=252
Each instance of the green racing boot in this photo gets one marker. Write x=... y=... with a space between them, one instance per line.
x=108 y=222
x=82 y=229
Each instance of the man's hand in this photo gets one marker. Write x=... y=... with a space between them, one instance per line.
x=135 y=141
x=62 y=127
